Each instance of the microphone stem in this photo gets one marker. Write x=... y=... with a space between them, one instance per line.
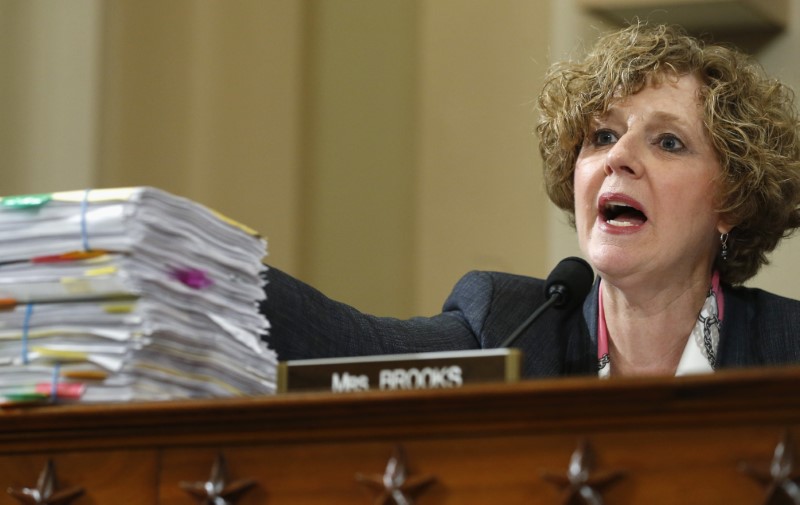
x=524 y=326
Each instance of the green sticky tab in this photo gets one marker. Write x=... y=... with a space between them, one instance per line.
x=26 y=201
x=26 y=397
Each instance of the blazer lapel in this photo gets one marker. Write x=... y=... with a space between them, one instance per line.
x=581 y=348
x=736 y=335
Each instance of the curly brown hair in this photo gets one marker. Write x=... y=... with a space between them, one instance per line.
x=750 y=118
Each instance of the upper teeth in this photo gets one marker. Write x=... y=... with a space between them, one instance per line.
x=613 y=208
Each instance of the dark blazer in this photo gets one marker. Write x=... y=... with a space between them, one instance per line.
x=484 y=308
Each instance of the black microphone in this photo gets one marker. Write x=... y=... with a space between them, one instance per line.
x=565 y=287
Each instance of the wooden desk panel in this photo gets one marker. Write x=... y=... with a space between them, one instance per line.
x=678 y=440
x=119 y=477
x=686 y=466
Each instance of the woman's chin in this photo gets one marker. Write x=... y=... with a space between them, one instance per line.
x=611 y=264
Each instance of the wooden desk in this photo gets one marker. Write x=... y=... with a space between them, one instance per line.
x=678 y=441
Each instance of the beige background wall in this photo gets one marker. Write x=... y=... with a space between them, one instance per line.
x=384 y=147
x=480 y=203
x=49 y=94
x=359 y=152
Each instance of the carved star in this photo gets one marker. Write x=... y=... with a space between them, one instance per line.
x=580 y=485
x=215 y=491
x=779 y=477
x=45 y=492
x=395 y=487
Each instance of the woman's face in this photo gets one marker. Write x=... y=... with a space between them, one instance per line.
x=645 y=187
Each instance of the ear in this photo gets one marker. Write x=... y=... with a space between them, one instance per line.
x=723 y=226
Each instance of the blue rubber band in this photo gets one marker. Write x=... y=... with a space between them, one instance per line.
x=26 y=323
x=54 y=382
x=84 y=231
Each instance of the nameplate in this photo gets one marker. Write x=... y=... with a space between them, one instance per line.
x=430 y=370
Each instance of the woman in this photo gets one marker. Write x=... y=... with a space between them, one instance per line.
x=680 y=166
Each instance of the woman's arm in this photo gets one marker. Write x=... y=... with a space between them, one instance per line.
x=306 y=324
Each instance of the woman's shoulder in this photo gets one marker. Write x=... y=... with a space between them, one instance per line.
x=761 y=328
x=483 y=288
x=501 y=280
x=764 y=311
x=495 y=302
x=763 y=301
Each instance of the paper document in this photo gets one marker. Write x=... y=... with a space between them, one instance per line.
x=129 y=294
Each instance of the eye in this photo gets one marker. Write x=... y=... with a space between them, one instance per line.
x=670 y=142
x=604 y=137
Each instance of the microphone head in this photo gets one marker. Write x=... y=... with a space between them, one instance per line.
x=570 y=281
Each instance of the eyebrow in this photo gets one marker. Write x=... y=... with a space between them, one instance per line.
x=668 y=117
x=657 y=116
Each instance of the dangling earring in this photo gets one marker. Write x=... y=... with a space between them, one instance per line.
x=723 y=239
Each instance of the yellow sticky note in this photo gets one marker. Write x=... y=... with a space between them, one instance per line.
x=59 y=354
x=96 y=272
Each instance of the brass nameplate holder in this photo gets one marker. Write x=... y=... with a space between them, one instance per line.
x=430 y=370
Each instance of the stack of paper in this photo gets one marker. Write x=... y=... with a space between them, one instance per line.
x=128 y=294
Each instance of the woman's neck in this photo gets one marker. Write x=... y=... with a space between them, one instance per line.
x=648 y=328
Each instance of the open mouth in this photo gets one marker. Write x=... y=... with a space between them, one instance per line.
x=618 y=213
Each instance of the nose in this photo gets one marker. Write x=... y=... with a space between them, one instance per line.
x=624 y=157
